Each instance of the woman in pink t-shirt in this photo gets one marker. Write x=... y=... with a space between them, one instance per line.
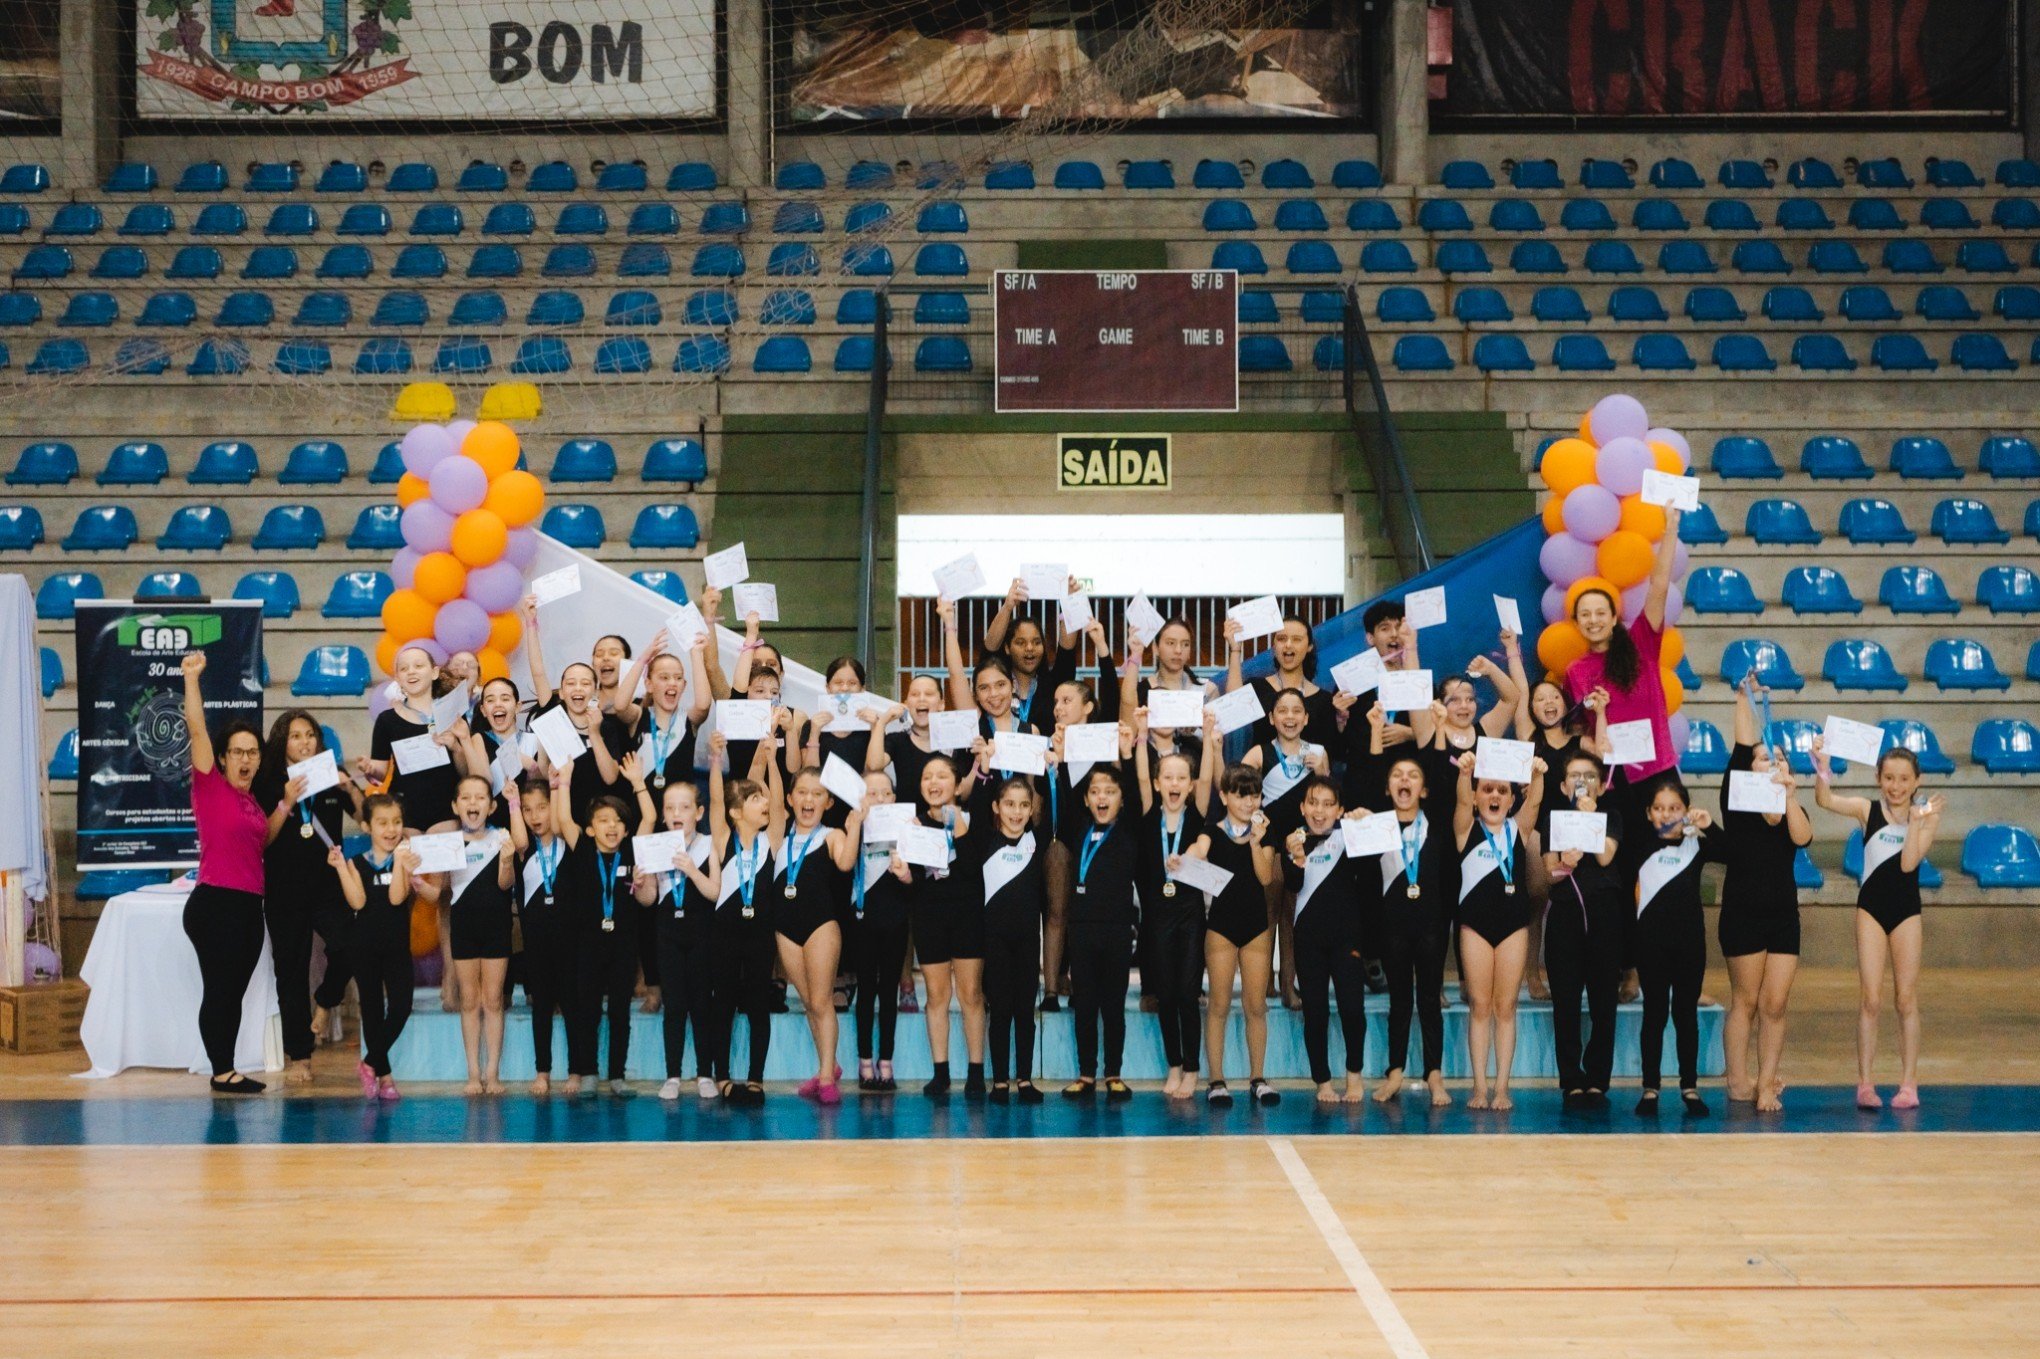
x=223 y=915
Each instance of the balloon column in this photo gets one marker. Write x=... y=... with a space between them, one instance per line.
x=1603 y=536
x=468 y=541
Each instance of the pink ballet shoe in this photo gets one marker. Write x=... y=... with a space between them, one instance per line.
x=830 y=1093
x=368 y=1080
x=387 y=1091
x=1867 y=1097
x=1908 y=1097
x=808 y=1088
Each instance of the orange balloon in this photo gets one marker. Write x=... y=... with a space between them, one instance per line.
x=1567 y=465
x=1553 y=514
x=440 y=577
x=1675 y=692
x=411 y=489
x=479 y=538
x=515 y=498
x=506 y=630
x=1587 y=428
x=1646 y=519
x=1667 y=459
x=1586 y=583
x=493 y=444
x=1672 y=649
x=408 y=616
x=424 y=928
x=386 y=655
x=1559 y=645
x=492 y=665
x=1624 y=558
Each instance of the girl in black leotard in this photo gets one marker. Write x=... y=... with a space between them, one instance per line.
x=1238 y=943
x=548 y=956
x=1002 y=850
x=1296 y=667
x=1898 y=830
x=1285 y=760
x=948 y=913
x=478 y=915
x=1103 y=919
x=1415 y=883
x=1075 y=705
x=878 y=904
x=1671 y=936
x=1324 y=881
x=1550 y=718
x=1494 y=918
x=809 y=868
x=680 y=916
x=1036 y=666
x=601 y=893
x=747 y=817
x=1584 y=932
x=1172 y=916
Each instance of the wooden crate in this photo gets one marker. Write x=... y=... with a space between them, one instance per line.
x=41 y=1018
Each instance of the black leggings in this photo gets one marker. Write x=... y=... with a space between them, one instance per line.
x=878 y=951
x=548 y=982
x=1325 y=963
x=225 y=929
x=1012 y=964
x=1671 y=962
x=1583 y=954
x=382 y=973
x=1414 y=956
x=742 y=983
x=605 y=968
x=291 y=917
x=1100 y=956
x=684 y=994
x=1172 y=971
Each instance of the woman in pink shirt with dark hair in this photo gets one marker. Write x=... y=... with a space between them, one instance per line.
x=223 y=915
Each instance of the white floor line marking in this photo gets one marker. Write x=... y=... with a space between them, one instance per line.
x=1388 y=1318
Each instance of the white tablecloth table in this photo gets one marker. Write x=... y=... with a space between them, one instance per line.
x=143 y=1008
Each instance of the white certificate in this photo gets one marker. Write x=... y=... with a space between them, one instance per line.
x=1201 y=875
x=959 y=578
x=1240 y=708
x=1631 y=743
x=1376 y=834
x=1511 y=616
x=924 y=846
x=1508 y=761
x=743 y=719
x=443 y=853
x=1176 y=709
x=1076 y=613
x=843 y=782
x=558 y=737
x=726 y=568
x=1359 y=674
x=1749 y=791
x=952 y=729
x=1424 y=608
x=1856 y=742
x=556 y=585
x=1586 y=832
x=683 y=625
x=1045 y=582
x=1663 y=488
x=1019 y=752
x=319 y=773
x=843 y=713
x=509 y=761
x=1406 y=691
x=449 y=708
x=655 y=853
x=759 y=598
x=1091 y=743
x=1256 y=617
x=886 y=822
x=416 y=754
x=1144 y=619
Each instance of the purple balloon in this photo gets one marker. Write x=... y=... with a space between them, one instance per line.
x=462 y=625
x=458 y=430
x=428 y=970
x=459 y=484
x=427 y=528
x=431 y=648
x=1632 y=602
x=1681 y=729
x=522 y=548
x=380 y=698
x=496 y=587
x=1565 y=559
x=1682 y=557
x=424 y=447
x=1675 y=604
x=1619 y=465
x=404 y=566
x=1554 y=603
x=1672 y=439
x=1616 y=417
x=40 y=963
x=1591 y=513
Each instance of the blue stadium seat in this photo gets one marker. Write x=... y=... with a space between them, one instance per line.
x=1949 y=173
x=1328 y=355
x=718 y=307
x=2008 y=589
x=1883 y=174
x=1790 y=304
x=463 y=354
x=1966 y=521
x=21 y=528
x=584 y=460
x=1466 y=174
x=1661 y=353
x=389 y=466
x=510 y=219
x=644 y=260
x=1910 y=257
x=323 y=309
x=725 y=219
x=20 y=309
x=168 y=309
x=2006 y=745
x=135 y=464
x=148 y=219
x=342 y=176
x=141 y=358
x=1502 y=354
x=1797 y=736
x=797 y=217
x=1217 y=174
x=1421 y=354
x=292 y=219
x=799 y=175
x=949 y=216
x=1615 y=257
x=623 y=354
x=578 y=526
x=383 y=355
x=1946 y=214
x=1454 y=257
x=1729 y=214
x=1514 y=214
x=1779 y=522
x=1803 y=214
x=130 y=177
x=26 y=178
x=64 y=762
x=226 y=462
x=1812 y=173
x=1581 y=354
x=1536 y=175
x=668 y=583
x=2012 y=174
x=556 y=307
x=1300 y=214
x=1919 y=738
x=1742 y=354
x=1263 y=354
x=429 y=261
x=1635 y=304
x=1079 y=174
x=1473 y=306
x=1376 y=257
x=479 y=309
x=702 y=354
x=270 y=262
x=1245 y=257
x=633 y=307
x=930 y=309
x=400 y=309
x=378 y=528
x=438 y=219
x=272 y=177
x=76 y=219
x=945 y=259
x=1772 y=665
x=488 y=261
x=196 y=528
x=45 y=464
x=1286 y=174
x=48 y=262
x=1817 y=589
x=416 y=177
x=90 y=311
x=332 y=671
x=866 y=217
x=717 y=261
x=1920 y=458
x=1760 y=257
x=1658 y=214
x=1699 y=528
x=315 y=462
x=57 y=597
x=1831 y=457
x=654 y=219
x=569 y=261
x=682 y=460
x=290 y=528
x=1257 y=306
x=792 y=259
x=1534 y=257
x=1959 y=663
x=354 y=261
x=1901 y=354
x=1443 y=214
x=59 y=358
x=1744 y=457
x=2015 y=214
x=1604 y=175
x=120 y=262
x=1874 y=214
x=1866 y=302
x=554 y=176
x=1835 y=257
x=1372 y=214
x=621 y=177
x=854 y=354
x=1721 y=589
x=1915 y=589
x=1743 y=175
x=1871 y=520
x=2009 y=457
x=1980 y=354
x=1672 y=173
x=1010 y=176
x=1999 y=855
x=1705 y=752
x=1558 y=302
x=782 y=354
x=539 y=354
x=665 y=528
x=169 y=585
x=1821 y=354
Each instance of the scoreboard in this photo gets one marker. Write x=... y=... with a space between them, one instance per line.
x=1115 y=340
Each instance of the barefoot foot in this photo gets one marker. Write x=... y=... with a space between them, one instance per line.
x=1356 y=1088
x=1501 y=1102
x=541 y=1084
x=472 y=1088
x=1326 y=1095
x=1391 y=1086
x=1440 y=1096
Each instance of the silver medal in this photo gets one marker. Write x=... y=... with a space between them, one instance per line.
x=1168 y=889
x=658 y=781
x=791 y=891
x=305 y=830
x=1413 y=891
x=608 y=926
x=1508 y=889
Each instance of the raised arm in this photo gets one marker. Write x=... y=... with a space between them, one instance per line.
x=875 y=757
x=958 y=682
x=1142 y=778
x=1462 y=809
x=1208 y=762
x=1512 y=648
x=1234 y=650
x=1919 y=833
x=1824 y=794
x=740 y=682
x=698 y=680
x=1661 y=571
x=648 y=815
x=711 y=614
x=775 y=791
x=534 y=655
x=1533 y=798
x=718 y=806
x=1745 y=711
x=627 y=707
x=1002 y=621
x=564 y=825
x=202 y=760
x=350 y=880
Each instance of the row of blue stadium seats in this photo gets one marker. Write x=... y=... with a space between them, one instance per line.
x=1835 y=457
x=1784 y=523
x=1509 y=353
x=206 y=528
x=1952 y=663
x=2003 y=588
x=354 y=594
x=2001 y=745
x=1787 y=303
x=1904 y=256
x=1672 y=173
x=1650 y=214
x=319 y=462
x=938 y=259
x=628 y=307
x=795 y=218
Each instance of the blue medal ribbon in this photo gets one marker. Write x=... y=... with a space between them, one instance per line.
x=1171 y=847
x=1094 y=840
x=1505 y=853
x=548 y=866
x=796 y=854
x=606 y=866
x=747 y=871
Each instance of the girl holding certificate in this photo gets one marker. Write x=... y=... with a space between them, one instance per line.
x=1172 y=915
x=746 y=816
x=601 y=893
x=478 y=928
x=807 y=883
x=548 y=955
x=1285 y=761
x=948 y=914
x=1037 y=667
x=1238 y=943
x=878 y=903
x=1494 y=918
x=680 y=915
x=1296 y=667
x=1416 y=913
x=1671 y=936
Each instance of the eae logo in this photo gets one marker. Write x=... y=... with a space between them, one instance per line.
x=278 y=56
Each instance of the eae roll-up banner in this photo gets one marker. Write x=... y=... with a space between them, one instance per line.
x=134 y=748
x=450 y=59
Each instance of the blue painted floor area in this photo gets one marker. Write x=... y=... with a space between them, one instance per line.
x=522 y=1119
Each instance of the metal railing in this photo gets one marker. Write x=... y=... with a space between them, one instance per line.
x=1402 y=519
